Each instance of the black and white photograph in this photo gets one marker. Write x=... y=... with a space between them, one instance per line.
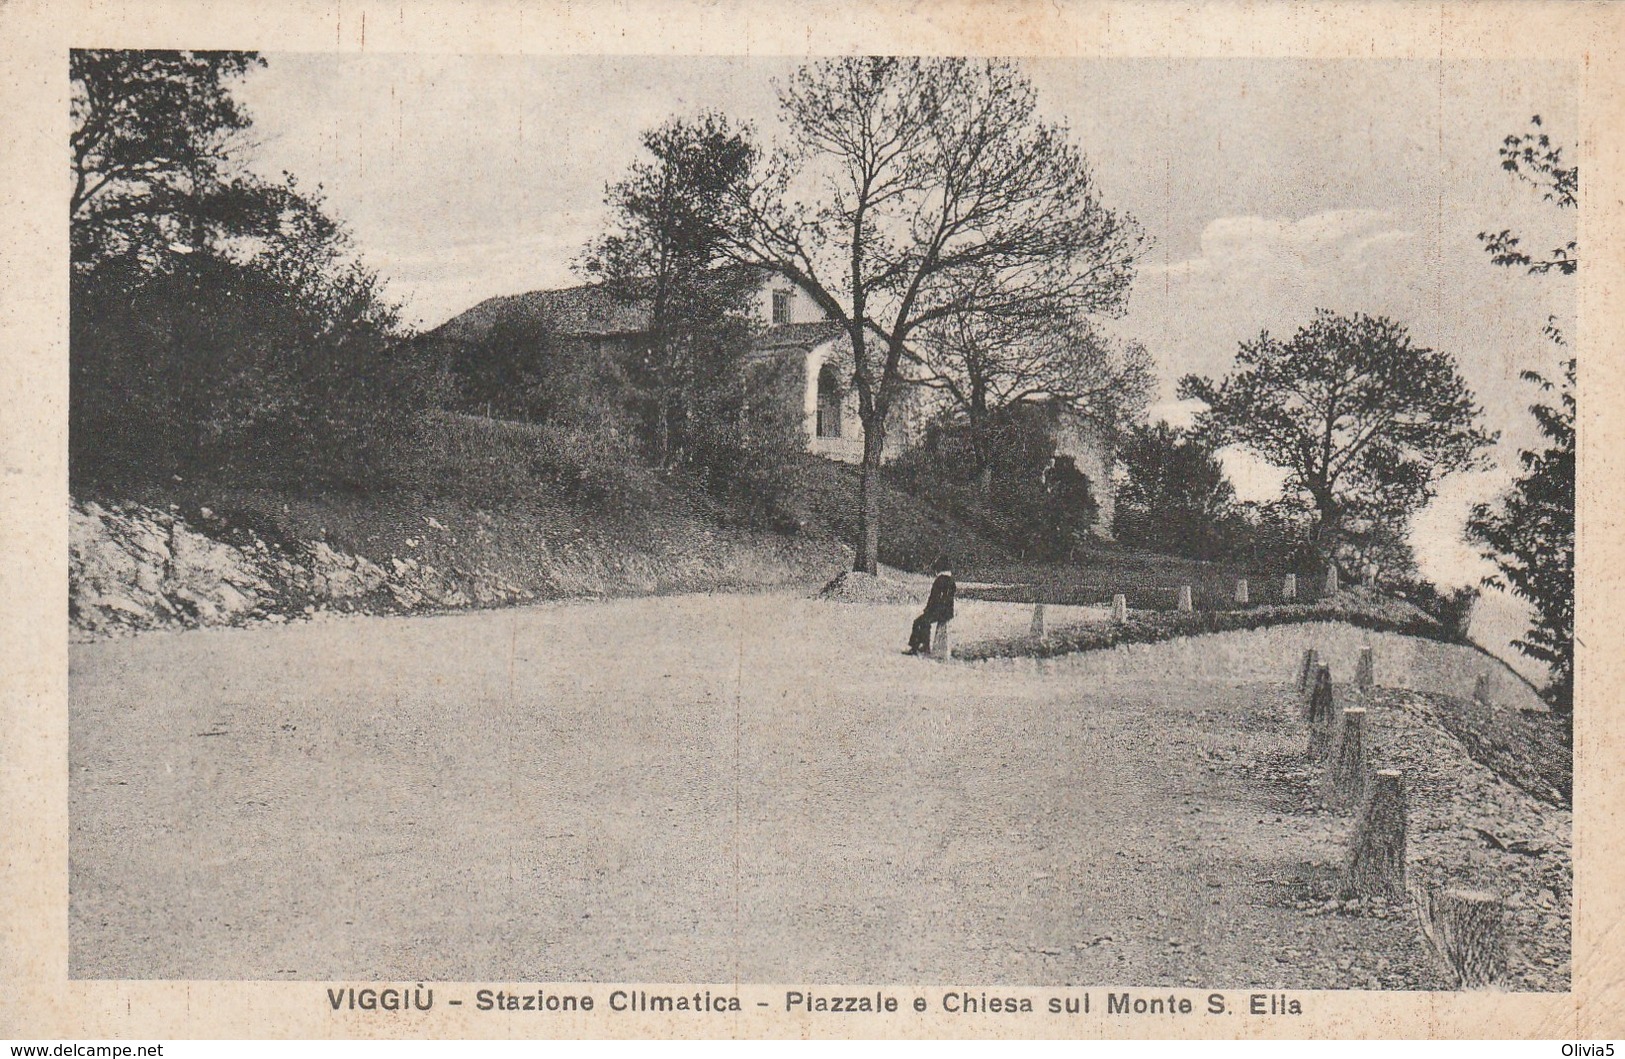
x=1043 y=534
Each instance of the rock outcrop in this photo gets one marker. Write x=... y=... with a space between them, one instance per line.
x=132 y=567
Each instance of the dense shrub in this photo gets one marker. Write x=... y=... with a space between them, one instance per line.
x=1033 y=502
x=1274 y=537
x=501 y=463
x=522 y=369
x=1175 y=497
x=1452 y=608
x=212 y=366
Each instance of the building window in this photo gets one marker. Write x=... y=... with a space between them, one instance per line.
x=829 y=404
x=781 y=306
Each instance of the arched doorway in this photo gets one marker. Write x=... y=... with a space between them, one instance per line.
x=829 y=404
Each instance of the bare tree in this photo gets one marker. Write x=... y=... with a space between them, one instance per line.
x=983 y=365
x=915 y=190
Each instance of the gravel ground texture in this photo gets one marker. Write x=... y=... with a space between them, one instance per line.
x=755 y=788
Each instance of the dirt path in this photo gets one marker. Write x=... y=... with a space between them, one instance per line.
x=752 y=788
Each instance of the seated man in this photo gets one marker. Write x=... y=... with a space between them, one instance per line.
x=939 y=608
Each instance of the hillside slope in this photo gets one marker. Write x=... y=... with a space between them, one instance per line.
x=502 y=513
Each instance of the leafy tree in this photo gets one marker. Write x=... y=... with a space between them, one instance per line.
x=672 y=214
x=1175 y=496
x=1529 y=531
x=510 y=371
x=282 y=367
x=150 y=146
x=745 y=433
x=217 y=322
x=1530 y=535
x=1533 y=158
x=1275 y=536
x=1037 y=503
x=982 y=365
x=1364 y=422
x=1377 y=536
x=915 y=190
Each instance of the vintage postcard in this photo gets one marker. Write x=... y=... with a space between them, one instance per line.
x=723 y=520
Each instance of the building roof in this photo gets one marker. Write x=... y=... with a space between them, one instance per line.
x=798 y=336
x=592 y=310
x=588 y=310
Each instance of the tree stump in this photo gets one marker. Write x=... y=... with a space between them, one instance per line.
x=1331 y=580
x=1036 y=630
x=1345 y=780
x=1465 y=928
x=939 y=643
x=1241 y=591
x=1365 y=672
x=1185 y=605
x=1306 y=675
x=1321 y=707
x=1119 y=608
x=1289 y=587
x=1376 y=863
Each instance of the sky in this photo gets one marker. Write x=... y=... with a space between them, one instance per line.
x=1267 y=188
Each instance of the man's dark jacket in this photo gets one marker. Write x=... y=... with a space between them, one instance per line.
x=940 y=605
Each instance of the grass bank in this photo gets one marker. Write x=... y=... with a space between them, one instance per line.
x=1361 y=607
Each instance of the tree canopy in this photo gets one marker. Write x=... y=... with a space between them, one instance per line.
x=1175 y=496
x=672 y=214
x=151 y=145
x=1530 y=534
x=1533 y=158
x=1362 y=420
x=218 y=321
x=1529 y=531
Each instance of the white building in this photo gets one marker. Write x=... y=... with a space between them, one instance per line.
x=812 y=349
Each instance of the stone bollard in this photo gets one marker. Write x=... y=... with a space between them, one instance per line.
x=1036 y=630
x=1376 y=862
x=1185 y=606
x=1368 y=575
x=1331 y=580
x=1289 y=587
x=1344 y=783
x=1321 y=708
x=1119 y=608
x=1306 y=675
x=1465 y=927
x=1481 y=690
x=1365 y=672
x=940 y=647
x=1241 y=591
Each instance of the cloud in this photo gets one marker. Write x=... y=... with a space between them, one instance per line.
x=1256 y=273
x=1336 y=239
